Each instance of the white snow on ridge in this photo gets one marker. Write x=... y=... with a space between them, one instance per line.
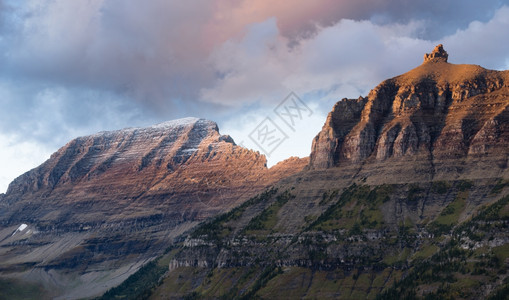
x=20 y=228
x=176 y=123
x=164 y=125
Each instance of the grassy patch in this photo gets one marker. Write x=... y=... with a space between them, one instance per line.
x=323 y=286
x=356 y=208
x=465 y=283
x=217 y=228
x=266 y=221
x=413 y=192
x=346 y=287
x=450 y=214
x=381 y=278
x=265 y=277
x=397 y=258
x=494 y=212
x=244 y=277
x=503 y=213
x=363 y=281
x=426 y=251
x=358 y=294
x=292 y=284
x=502 y=252
x=218 y=282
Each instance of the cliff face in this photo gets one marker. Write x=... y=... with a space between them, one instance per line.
x=434 y=113
x=107 y=202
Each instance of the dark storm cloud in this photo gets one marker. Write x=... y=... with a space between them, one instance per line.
x=442 y=17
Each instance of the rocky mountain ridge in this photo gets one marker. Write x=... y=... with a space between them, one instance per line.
x=105 y=203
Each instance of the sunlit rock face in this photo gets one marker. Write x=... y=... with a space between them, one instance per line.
x=105 y=203
x=434 y=113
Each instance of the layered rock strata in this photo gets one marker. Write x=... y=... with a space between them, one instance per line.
x=434 y=114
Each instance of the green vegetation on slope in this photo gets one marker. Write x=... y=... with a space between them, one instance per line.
x=348 y=251
x=357 y=207
x=217 y=228
x=455 y=272
x=264 y=222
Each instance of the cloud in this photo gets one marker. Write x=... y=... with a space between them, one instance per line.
x=158 y=53
x=351 y=55
x=298 y=19
x=50 y=115
x=348 y=58
x=18 y=157
x=148 y=53
x=482 y=43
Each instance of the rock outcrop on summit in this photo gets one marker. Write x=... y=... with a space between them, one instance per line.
x=436 y=118
x=103 y=204
x=438 y=54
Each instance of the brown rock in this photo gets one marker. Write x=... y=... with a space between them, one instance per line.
x=341 y=120
x=438 y=54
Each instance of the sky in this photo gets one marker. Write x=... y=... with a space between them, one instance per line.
x=73 y=68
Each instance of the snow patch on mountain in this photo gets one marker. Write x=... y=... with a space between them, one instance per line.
x=20 y=228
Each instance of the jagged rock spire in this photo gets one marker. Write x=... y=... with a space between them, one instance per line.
x=438 y=54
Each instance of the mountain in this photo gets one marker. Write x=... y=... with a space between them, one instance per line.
x=406 y=196
x=103 y=205
x=436 y=118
